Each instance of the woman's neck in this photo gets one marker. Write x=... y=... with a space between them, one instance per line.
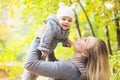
x=79 y=55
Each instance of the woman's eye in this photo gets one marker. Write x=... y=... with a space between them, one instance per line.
x=86 y=40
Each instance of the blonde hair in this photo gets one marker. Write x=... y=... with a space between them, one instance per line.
x=97 y=62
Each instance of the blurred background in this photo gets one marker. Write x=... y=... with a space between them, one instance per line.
x=20 y=21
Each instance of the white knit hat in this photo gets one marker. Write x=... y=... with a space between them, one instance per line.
x=65 y=11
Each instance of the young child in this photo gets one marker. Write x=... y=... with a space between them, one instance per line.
x=57 y=30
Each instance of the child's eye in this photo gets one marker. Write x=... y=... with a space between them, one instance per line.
x=63 y=19
x=70 y=20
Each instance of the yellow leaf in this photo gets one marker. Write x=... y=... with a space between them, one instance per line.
x=13 y=4
x=4 y=32
x=28 y=2
x=82 y=17
x=12 y=13
x=0 y=7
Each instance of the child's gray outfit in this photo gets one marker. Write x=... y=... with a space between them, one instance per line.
x=52 y=35
x=60 y=70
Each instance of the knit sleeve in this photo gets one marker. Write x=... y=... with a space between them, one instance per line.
x=66 y=40
x=58 y=70
x=48 y=36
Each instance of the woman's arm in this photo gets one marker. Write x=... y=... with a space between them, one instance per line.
x=57 y=69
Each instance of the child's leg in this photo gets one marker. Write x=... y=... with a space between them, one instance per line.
x=29 y=76
x=51 y=57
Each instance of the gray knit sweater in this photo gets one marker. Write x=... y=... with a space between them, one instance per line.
x=81 y=64
x=61 y=70
x=52 y=35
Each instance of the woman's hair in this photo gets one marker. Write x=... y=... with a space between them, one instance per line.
x=97 y=62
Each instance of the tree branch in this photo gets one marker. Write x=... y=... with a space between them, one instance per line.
x=87 y=18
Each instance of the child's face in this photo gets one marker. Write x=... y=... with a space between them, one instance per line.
x=65 y=22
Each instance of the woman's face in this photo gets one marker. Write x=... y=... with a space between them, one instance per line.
x=84 y=43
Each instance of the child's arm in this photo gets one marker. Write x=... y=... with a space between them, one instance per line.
x=47 y=37
x=66 y=42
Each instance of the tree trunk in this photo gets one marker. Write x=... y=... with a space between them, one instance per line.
x=117 y=29
x=118 y=38
x=116 y=12
x=108 y=40
x=76 y=22
x=87 y=18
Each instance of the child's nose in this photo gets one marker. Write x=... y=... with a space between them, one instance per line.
x=66 y=21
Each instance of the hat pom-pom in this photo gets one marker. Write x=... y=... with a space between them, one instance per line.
x=73 y=7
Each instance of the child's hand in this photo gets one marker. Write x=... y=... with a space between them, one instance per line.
x=44 y=55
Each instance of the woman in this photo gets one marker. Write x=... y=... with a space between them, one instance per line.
x=89 y=62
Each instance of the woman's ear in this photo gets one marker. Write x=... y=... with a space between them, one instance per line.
x=85 y=54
